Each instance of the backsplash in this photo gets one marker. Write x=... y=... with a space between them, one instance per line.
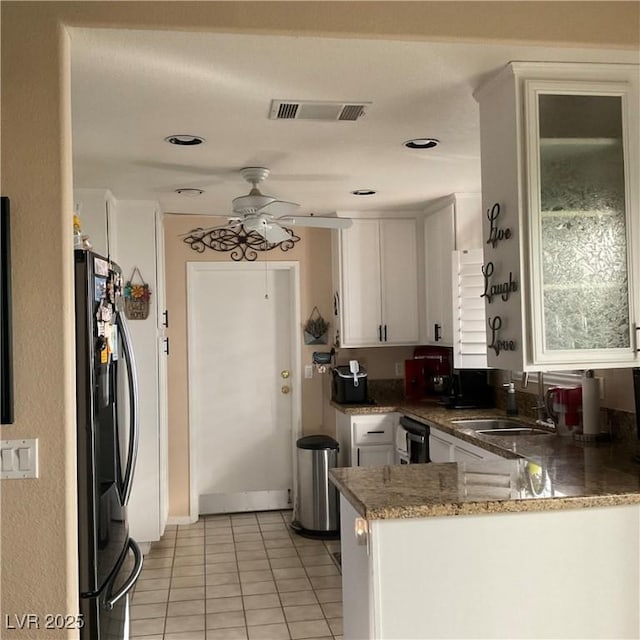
x=386 y=391
x=620 y=424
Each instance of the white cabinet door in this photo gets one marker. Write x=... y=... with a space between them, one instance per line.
x=439 y=234
x=560 y=185
x=377 y=297
x=443 y=447
x=374 y=455
x=440 y=449
x=399 y=277
x=361 y=305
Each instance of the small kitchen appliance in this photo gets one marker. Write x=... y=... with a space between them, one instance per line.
x=470 y=389
x=428 y=374
x=349 y=384
x=564 y=405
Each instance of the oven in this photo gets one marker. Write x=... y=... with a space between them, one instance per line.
x=412 y=441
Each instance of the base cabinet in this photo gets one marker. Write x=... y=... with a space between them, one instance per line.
x=366 y=440
x=374 y=455
x=412 y=577
x=447 y=448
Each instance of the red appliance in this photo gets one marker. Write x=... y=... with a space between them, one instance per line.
x=428 y=374
x=564 y=405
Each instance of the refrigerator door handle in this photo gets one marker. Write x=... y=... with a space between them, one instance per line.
x=132 y=380
x=110 y=602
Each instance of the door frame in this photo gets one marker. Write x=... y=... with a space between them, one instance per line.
x=293 y=269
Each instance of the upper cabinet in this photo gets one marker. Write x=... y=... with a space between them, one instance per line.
x=376 y=278
x=559 y=148
x=453 y=222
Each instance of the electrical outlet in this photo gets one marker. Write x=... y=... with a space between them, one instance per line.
x=399 y=369
x=308 y=371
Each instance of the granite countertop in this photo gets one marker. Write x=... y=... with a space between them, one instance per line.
x=538 y=473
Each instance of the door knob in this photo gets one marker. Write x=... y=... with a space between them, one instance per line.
x=285 y=373
x=285 y=388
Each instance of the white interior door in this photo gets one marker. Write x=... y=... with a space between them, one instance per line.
x=242 y=388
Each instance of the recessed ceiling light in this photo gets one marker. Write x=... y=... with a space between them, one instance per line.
x=421 y=143
x=363 y=192
x=184 y=140
x=190 y=193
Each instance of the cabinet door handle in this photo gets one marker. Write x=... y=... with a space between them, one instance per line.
x=357 y=457
x=385 y=332
x=165 y=316
x=638 y=338
x=436 y=331
x=336 y=304
x=166 y=345
x=378 y=431
x=379 y=333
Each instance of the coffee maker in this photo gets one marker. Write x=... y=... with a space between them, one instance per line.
x=564 y=405
x=428 y=374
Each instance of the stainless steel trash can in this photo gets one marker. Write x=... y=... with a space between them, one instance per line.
x=317 y=507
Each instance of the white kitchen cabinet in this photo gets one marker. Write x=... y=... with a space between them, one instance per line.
x=560 y=173
x=97 y=210
x=131 y=234
x=444 y=447
x=138 y=235
x=377 y=283
x=366 y=440
x=451 y=223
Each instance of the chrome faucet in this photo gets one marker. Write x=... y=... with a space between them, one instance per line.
x=542 y=416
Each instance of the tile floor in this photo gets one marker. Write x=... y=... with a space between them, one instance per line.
x=238 y=576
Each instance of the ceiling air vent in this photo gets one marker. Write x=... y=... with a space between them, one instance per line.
x=328 y=111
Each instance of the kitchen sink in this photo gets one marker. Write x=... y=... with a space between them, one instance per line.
x=524 y=431
x=500 y=426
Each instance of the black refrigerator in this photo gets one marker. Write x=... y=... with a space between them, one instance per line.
x=107 y=416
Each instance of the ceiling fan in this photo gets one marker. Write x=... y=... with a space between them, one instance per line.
x=266 y=215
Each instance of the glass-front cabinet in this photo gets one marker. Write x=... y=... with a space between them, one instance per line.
x=562 y=225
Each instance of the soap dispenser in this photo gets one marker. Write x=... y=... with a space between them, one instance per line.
x=512 y=407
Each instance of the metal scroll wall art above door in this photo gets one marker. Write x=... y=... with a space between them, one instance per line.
x=240 y=243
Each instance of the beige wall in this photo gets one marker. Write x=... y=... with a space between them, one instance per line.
x=313 y=253
x=38 y=531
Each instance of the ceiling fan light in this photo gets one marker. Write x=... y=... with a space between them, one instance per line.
x=421 y=143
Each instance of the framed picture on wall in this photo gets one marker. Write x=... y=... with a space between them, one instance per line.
x=6 y=359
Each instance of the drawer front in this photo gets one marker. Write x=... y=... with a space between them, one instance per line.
x=378 y=431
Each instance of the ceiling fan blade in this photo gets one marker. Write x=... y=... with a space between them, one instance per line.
x=279 y=208
x=322 y=222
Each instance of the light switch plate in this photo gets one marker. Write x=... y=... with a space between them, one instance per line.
x=19 y=459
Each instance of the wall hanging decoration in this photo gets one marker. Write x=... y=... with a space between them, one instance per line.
x=316 y=329
x=136 y=297
x=240 y=243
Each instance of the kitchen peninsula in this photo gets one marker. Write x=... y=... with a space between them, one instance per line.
x=541 y=542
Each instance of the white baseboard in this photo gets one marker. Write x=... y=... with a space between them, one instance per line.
x=173 y=520
x=244 y=501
